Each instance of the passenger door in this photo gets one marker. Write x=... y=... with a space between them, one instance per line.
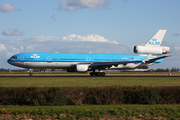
x=49 y=59
x=21 y=59
x=88 y=59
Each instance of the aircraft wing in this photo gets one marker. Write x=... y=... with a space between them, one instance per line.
x=97 y=65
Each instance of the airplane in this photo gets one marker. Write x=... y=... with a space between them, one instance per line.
x=147 y=54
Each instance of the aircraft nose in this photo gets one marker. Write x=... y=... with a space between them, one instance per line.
x=9 y=61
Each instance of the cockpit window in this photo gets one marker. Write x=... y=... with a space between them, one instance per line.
x=14 y=57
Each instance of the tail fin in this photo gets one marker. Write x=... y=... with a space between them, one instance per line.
x=156 y=39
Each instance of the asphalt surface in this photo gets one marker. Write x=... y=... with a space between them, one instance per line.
x=93 y=76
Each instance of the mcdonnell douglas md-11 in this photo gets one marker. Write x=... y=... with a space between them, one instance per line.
x=147 y=54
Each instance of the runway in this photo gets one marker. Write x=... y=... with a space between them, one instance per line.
x=89 y=76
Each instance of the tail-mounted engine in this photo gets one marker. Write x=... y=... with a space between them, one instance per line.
x=151 y=50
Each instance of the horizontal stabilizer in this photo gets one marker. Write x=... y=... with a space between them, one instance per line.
x=152 y=60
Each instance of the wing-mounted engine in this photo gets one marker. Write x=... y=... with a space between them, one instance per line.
x=82 y=67
x=79 y=68
x=151 y=50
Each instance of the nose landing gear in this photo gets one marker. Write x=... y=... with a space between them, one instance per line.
x=30 y=72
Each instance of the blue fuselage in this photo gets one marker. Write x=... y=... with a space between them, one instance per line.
x=69 y=60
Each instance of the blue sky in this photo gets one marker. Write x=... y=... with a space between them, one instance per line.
x=99 y=26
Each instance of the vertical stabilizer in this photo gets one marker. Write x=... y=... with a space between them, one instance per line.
x=156 y=39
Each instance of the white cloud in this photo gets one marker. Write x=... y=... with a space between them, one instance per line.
x=43 y=38
x=7 y=7
x=71 y=8
x=177 y=48
x=13 y=32
x=74 y=5
x=87 y=3
x=31 y=48
x=73 y=37
x=2 y=47
x=90 y=38
x=14 y=50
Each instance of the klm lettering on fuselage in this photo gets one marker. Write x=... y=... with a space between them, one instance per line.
x=154 y=42
x=35 y=56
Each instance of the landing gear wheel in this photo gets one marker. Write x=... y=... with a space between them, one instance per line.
x=97 y=74
x=92 y=74
x=30 y=74
x=103 y=74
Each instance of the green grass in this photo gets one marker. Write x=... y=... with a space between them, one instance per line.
x=94 y=111
x=100 y=111
x=87 y=81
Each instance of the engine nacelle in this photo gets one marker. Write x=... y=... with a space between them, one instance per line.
x=82 y=67
x=151 y=50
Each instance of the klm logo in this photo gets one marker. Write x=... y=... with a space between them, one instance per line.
x=35 y=56
x=154 y=42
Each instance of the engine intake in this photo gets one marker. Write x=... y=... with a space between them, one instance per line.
x=151 y=50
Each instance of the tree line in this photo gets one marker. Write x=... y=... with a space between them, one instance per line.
x=165 y=70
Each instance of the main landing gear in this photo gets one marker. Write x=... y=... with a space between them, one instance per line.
x=97 y=74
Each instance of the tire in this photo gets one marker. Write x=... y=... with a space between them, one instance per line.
x=98 y=74
x=30 y=74
x=103 y=74
x=92 y=74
